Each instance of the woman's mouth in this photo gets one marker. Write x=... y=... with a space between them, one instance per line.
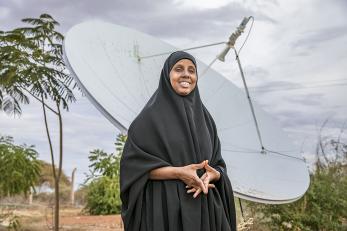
x=184 y=84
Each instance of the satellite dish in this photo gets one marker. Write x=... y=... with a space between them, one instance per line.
x=103 y=57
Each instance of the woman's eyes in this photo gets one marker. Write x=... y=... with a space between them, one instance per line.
x=179 y=69
x=192 y=71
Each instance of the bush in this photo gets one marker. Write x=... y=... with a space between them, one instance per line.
x=323 y=207
x=103 y=196
x=103 y=191
x=19 y=168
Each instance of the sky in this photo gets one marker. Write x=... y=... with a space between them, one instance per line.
x=294 y=62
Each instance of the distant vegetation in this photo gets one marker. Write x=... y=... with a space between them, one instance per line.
x=22 y=174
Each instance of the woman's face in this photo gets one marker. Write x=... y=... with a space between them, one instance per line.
x=183 y=77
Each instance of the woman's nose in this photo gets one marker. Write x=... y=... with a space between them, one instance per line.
x=186 y=73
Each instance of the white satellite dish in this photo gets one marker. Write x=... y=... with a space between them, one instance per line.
x=104 y=59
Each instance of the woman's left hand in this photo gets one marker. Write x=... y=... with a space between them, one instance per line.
x=209 y=176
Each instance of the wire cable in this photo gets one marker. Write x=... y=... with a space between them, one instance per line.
x=249 y=32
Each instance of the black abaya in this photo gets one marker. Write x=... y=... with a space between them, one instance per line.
x=173 y=130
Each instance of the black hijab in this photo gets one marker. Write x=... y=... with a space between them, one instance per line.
x=173 y=130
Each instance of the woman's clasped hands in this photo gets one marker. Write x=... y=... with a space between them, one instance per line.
x=194 y=184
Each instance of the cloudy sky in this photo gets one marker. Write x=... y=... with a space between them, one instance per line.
x=294 y=62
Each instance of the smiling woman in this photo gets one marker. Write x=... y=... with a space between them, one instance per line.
x=172 y=174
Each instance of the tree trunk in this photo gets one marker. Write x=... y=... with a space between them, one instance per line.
x=56 y=206
x=60 y=168
x=56 y=176
x=31 y=192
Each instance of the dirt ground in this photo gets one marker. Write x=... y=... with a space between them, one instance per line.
x=38 y=217
x=72 y=219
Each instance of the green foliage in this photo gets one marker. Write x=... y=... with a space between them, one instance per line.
x=103 y=191
x=103 y=196
x=31 y=63
x=323 y=207
x=19 y=168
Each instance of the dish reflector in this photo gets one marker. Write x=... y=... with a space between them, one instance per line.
x=104 y=60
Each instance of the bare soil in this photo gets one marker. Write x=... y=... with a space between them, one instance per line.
x=39 y=218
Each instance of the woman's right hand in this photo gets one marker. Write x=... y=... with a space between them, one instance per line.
x=189 y=176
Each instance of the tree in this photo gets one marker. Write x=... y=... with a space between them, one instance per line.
x=19 y=172
x=103 y=191
x=19 y=168
x=31 y=64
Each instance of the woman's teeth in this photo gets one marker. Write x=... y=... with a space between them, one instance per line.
x=184 y=84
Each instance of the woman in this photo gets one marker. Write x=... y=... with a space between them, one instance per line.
x=172 y=174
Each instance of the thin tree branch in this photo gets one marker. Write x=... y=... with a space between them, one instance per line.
x=60 y=140
x=48 y=136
